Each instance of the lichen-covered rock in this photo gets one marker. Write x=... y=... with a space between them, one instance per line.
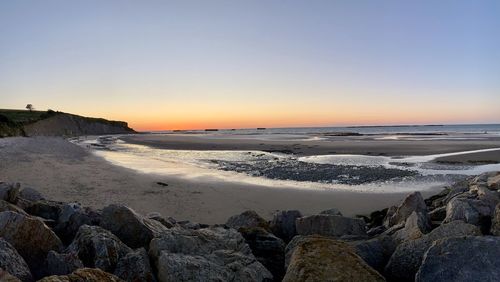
x=471 y=258
x=133 y=229
x=12 y=262
x=247 y=219
x=215 y=253
x=406 y=259
x=412 y=203
x=283 y=224
x=324 y=259
x=267 y=249
x=98 y=248
x=330 y=225
x=83 y=275
x=71 y=217
x=30 y=237
x=62 y=264
x=135 y=266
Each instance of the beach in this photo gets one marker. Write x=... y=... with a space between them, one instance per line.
x=67 y=172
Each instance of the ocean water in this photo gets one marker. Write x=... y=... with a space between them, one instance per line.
x=359 y=173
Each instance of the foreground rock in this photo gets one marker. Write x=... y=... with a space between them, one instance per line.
x=84 y=275
x=98 y=248
x=133 y=229
x=470 y=258
x=135 y=266
x=323 y=259
x=412 y=203
x=404 y=263
x=330 y=225
x=247 y=219
x=375 y=252
x=208 y=254
x=30 y=237
x=12 y=262
x=62 y=264
x=283 y=224
x=267 y=248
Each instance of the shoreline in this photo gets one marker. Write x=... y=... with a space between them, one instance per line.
x=66 y=172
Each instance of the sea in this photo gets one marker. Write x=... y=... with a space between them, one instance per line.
x=357 y=173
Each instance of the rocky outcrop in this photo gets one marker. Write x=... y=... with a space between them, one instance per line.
x=30 y=237
x=283 y=224
x=471 y=258
x=404 y=263
x=205 y=255
x=133 y=229
x=12 y=262
x=84 y=275
x=323 y=259
x=330 y=225
x=247 y=219
x=98 y=248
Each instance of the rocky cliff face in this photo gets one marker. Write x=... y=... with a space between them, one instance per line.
x=73 y=125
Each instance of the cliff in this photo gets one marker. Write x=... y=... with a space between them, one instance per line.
x=50 y=123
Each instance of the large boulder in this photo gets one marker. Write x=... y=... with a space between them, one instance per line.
x=247 y=219
x=283 y=224
x=416 y=225
x=62 y=264
x=406 y=259
x=30 y=237
x=205 y=254
x=412 y=203
x=471 y=258
x=470 y=210
x=133 y=229
x=98 y=248
x=267 y=249
x=83 y=275
x=376 y=252
x=330 y=225
x=324 y=259
x=12 y=262
x=71 y=217
x=135 y=266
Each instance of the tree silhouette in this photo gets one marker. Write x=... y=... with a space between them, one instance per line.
x=30 y=107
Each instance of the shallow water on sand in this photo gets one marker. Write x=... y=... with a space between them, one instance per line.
x=345 y=172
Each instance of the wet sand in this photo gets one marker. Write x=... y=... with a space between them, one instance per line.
x=66 y=172
x=337 y=145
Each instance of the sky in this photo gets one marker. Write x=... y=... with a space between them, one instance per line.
x=243 y=64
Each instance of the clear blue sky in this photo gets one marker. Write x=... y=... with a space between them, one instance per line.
x=183 y=64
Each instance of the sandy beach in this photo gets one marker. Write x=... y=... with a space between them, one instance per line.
x=67 y=172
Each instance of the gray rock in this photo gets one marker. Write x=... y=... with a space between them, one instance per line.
x=30 y=237
x=247 y=219
x=83 y=275
x=62 y=264
x=267 y=249
x=332 y=211
x=406 y=259
x=30 y=194
x=133 y=229
x=416 y=225
x=283 y=224
x=135 y=266
x=44 y=208
x=9 y=192
x=412 y=203
x=214 y=253
x=375 y=252
x=98 y=248
x=495 y=227
x=473 y=211
x=330 y=225
x=12 y=262
x=167 y=222
x=472 y=258
x=6 y=206
x=71 y=217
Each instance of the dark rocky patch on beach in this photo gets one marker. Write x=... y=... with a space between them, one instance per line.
x=451 y=236
x=291 y=169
